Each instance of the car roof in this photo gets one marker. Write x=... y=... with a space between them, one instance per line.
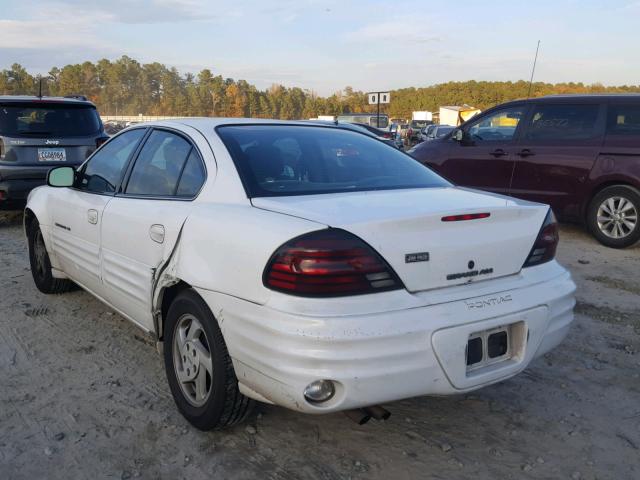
x=575 y=98
x=205 y=123
x=77 y=100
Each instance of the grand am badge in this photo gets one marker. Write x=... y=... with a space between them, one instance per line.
x=416 y=257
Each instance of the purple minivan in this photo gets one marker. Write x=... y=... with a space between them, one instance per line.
x=578 y=153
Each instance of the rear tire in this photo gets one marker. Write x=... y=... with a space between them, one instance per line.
x=198 y=367
x=613 y=216
x=41 y=265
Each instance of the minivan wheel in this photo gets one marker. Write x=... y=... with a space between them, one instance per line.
x=613 y=216
x=198 y=367
x=41 y=265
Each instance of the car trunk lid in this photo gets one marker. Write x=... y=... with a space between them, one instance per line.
x=406 y=228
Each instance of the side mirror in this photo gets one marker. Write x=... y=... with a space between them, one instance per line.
x=458 y=135
x=61 y=177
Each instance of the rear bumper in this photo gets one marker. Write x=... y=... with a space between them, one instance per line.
x=380 y=357
x=17 y=181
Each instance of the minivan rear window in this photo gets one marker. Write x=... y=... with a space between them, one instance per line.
x=48 y=120
x=282 y=160
x=623 y=120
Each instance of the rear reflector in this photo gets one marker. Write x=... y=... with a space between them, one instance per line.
x=465 y=216
x=544 y=249
x=328 y=263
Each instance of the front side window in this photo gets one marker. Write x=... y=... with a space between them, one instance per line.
x=280 y=160
x=103 y=171
x=159 y=165
x=562 y=123
x=499 y=126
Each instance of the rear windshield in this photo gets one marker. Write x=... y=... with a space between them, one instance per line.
x=48 y=119
x=282 y=160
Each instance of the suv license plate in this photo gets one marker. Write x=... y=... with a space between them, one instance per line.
x=52 y=155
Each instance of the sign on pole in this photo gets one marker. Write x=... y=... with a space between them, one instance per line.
x=379 y=97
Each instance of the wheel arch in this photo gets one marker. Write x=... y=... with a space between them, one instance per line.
x=166 y=297
x=624 y=182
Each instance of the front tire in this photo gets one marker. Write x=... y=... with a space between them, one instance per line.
x=612 y=216
x=41 y=265
x=198 y=367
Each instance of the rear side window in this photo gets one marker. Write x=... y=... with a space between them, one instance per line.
x=103 y=171
x=48 y=120
x=192 y=176
x=281 y=160
x=623 y=126
x=160 y=166
x=559 y=122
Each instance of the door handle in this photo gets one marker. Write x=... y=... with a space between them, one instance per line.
x=92 y=216
x=156 y=232
x=498 y=152
x=525 y=153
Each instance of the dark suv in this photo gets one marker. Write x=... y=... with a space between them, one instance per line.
x=37 y=134
x=578 y=153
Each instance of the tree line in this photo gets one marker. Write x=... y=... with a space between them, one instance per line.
x=128 y=87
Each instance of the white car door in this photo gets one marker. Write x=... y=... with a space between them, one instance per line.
x=141 y=224
x=77 y=211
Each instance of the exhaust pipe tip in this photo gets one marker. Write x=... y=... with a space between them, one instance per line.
x=358 y=415
x=377 y=412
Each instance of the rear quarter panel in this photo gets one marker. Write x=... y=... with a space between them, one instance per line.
x=225 y=248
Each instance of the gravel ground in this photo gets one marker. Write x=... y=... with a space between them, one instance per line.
x=83 y=395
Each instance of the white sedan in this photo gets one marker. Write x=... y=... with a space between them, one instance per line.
x=301 y=265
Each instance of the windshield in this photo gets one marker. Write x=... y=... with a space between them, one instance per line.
x=48 y=119
x=417 y=124
x=282 y=160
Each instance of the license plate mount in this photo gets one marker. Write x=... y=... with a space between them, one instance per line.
x=52 y=155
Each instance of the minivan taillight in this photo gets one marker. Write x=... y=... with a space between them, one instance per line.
x=544 y=249
x=328 y=263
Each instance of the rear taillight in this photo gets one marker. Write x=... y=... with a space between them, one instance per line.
x=328 y=263
x=544 y=249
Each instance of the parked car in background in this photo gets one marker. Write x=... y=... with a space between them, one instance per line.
x=37 y=133
x=415 y=126
x=424 y=133
x=303 y=265
x=361 y=128
x=391 y=134
x=111 y=127
x=371 y=119
x=578 y=153
x=438 y=131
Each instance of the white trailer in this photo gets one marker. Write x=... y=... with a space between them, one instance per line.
x=422 y=115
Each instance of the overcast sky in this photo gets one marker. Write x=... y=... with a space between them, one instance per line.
x=326 y=45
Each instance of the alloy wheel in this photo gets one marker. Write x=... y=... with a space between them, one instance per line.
x=192 y=360
x=617 y=217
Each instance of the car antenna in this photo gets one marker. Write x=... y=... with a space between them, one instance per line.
x=533 y=70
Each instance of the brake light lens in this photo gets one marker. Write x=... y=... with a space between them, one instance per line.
x=544 y=249
x=328 y=263
x=465 y=216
